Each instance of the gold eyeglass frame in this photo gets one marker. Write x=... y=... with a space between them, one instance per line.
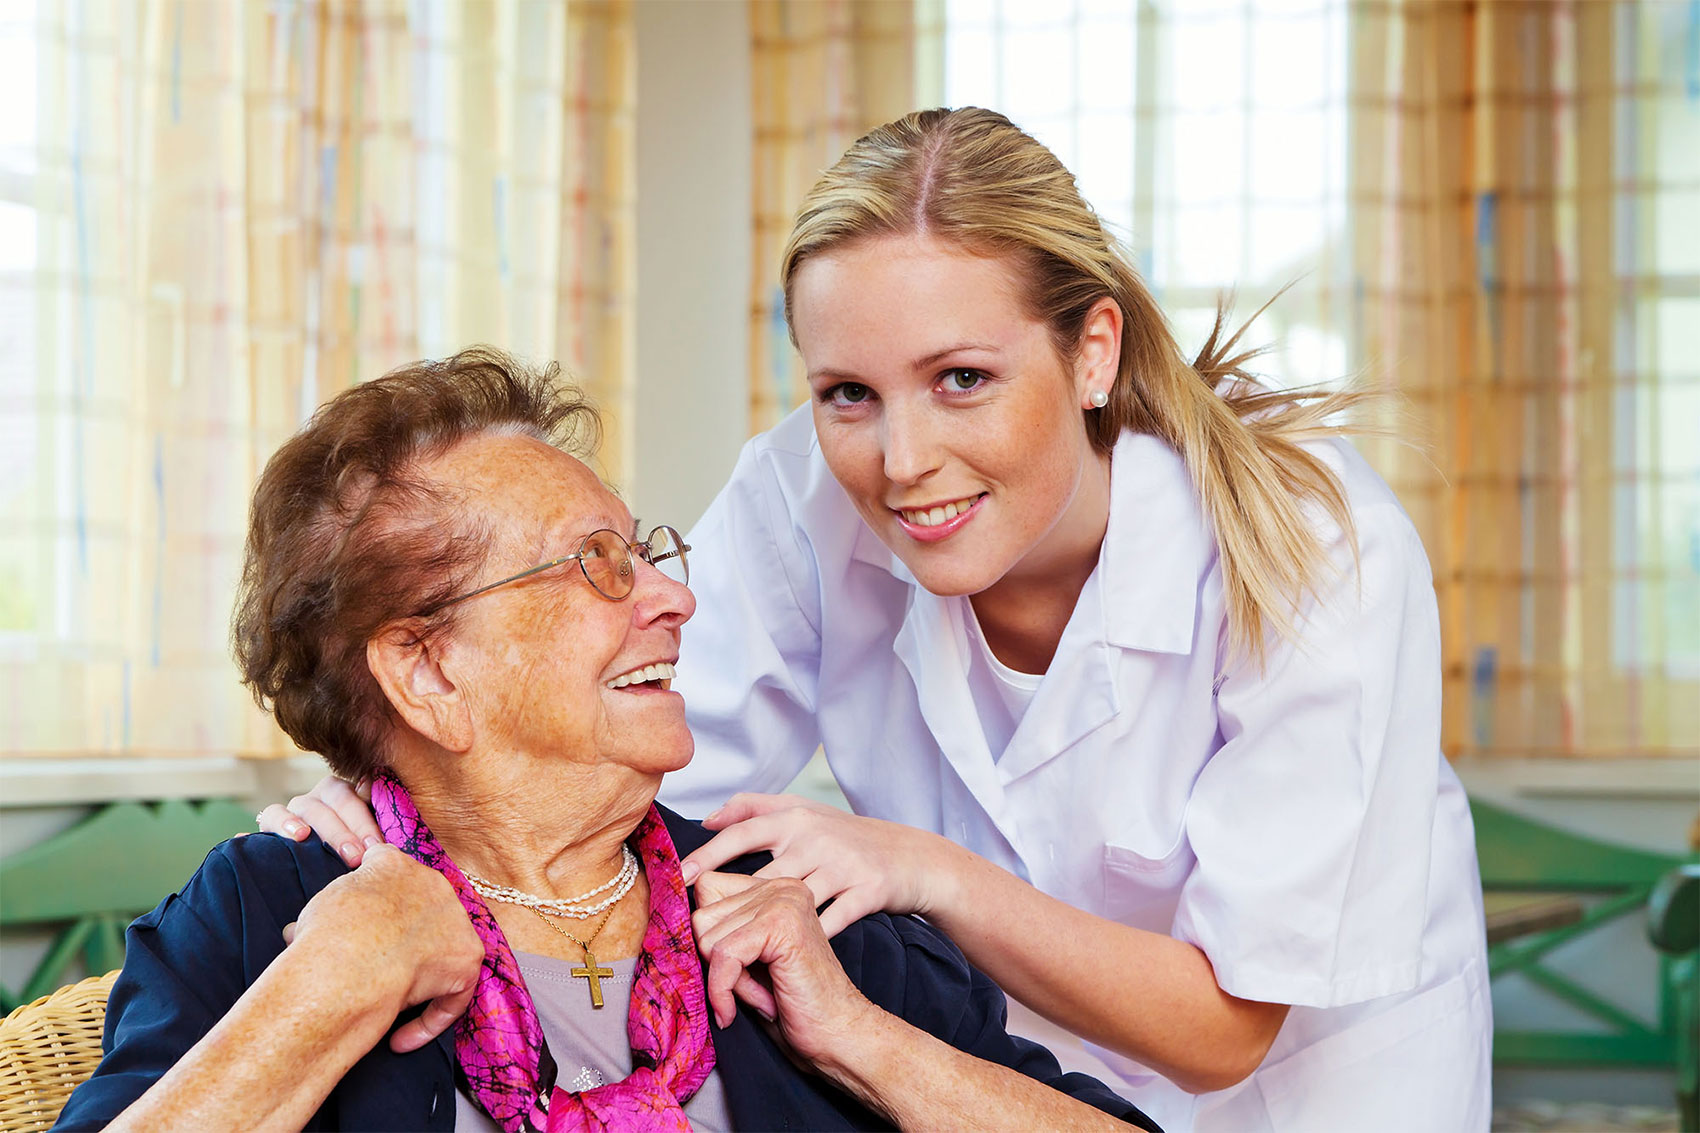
x=643 y=550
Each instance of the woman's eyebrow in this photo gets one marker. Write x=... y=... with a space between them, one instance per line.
x=960 y=347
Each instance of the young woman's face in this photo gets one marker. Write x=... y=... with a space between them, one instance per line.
x=944 y=410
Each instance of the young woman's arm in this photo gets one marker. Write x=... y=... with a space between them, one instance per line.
x=1147 y=995
x=897 y=1019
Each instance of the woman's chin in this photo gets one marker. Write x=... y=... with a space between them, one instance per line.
x=947 y=577
x=678 y=752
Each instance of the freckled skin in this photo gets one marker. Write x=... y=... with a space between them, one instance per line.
x=534 y=656
x=877 y=313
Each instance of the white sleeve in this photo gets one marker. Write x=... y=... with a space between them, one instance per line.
x=1312 y=823
x=749 y=665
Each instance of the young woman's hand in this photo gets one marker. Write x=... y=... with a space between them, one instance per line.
x=861 y=865
x=395 y=929
x=801 y=987
x=336 y=810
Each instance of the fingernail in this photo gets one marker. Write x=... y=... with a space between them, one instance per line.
x=689 y=871
x=373 y=840
x=292 y=828
x=712 y=817
x=350 y=852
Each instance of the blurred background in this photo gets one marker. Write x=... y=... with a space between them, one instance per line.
x=214 y=214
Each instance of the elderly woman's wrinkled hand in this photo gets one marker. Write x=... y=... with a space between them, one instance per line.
x=397 y=930
x=741 y=922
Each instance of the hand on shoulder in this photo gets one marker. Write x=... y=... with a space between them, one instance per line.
x=860 y=865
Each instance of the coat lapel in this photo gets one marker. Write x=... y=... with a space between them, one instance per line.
x=1078 y=695
x=931 y=644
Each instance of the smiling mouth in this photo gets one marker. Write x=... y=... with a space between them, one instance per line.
x=659 y=675
x=942 y=513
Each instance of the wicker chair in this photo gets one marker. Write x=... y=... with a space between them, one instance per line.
x=47 y=1049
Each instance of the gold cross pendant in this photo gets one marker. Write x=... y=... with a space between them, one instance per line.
x=594 y=974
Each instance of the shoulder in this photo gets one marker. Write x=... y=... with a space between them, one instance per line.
x=271 y=863
x=911 y=969
x=1386 y=542
x=782 y=479
x=689 y=835
x=249 y=878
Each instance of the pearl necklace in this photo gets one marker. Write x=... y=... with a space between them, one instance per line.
x=621 y=884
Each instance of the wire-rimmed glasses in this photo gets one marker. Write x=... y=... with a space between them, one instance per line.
x=605 y=558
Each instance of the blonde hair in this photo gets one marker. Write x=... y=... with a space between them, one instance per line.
x=970 y=176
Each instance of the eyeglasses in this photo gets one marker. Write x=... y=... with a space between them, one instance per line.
x=605 y=559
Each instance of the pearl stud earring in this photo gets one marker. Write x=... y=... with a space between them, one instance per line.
x=1099 y=399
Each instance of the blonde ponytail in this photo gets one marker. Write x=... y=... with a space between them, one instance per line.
x=973 y=177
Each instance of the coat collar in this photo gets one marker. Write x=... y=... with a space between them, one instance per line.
x=1160 y=547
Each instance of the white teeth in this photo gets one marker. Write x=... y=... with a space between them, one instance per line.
x=662 y=672
x=932 y=517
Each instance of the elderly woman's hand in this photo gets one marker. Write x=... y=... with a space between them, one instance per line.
x=861 y=865
x=336 y=810
x=396 y=931
x=744 y=921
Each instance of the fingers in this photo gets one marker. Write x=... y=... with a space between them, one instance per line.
x=289 y=934
x=276 y=819
x=846 y=909
x=748 y=804
x=824 y=884
x=713 y=887
x=758 y=995
x=327 y=823
x=757 y=832
x=730 y=947
x=439 y=1015
x=353 y=805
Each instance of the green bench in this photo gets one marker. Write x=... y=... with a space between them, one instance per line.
x=88 y=883
x=1521 y=855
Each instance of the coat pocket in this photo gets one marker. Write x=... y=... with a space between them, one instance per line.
x=1141 y=890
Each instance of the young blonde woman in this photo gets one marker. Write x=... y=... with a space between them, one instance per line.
x=1129 y=670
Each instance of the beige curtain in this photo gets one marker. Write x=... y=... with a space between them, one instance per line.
x=1527 y=215
x=237 y=209
x=824 y=72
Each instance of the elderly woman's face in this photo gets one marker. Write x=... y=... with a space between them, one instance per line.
x=536 y=658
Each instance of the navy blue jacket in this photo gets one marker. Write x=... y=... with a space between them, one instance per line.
x=187 y=962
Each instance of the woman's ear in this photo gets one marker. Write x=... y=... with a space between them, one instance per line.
x=409 y=668
x=1099 y=353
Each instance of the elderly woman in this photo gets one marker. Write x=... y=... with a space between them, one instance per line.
x=437 y=596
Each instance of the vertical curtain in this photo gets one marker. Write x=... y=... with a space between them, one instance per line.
x=824 y=72
x=1209 y=135
x=1490 y=208
x=237 y=210
x=1527 y=230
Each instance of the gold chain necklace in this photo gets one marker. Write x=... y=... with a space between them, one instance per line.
x=590 y=971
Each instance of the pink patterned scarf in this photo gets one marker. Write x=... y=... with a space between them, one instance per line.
x=499 y=1041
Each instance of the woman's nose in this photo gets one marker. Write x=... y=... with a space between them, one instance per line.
x=657 y=596
x=910 y=447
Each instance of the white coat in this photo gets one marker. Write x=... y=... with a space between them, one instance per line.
x=1298 y=824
